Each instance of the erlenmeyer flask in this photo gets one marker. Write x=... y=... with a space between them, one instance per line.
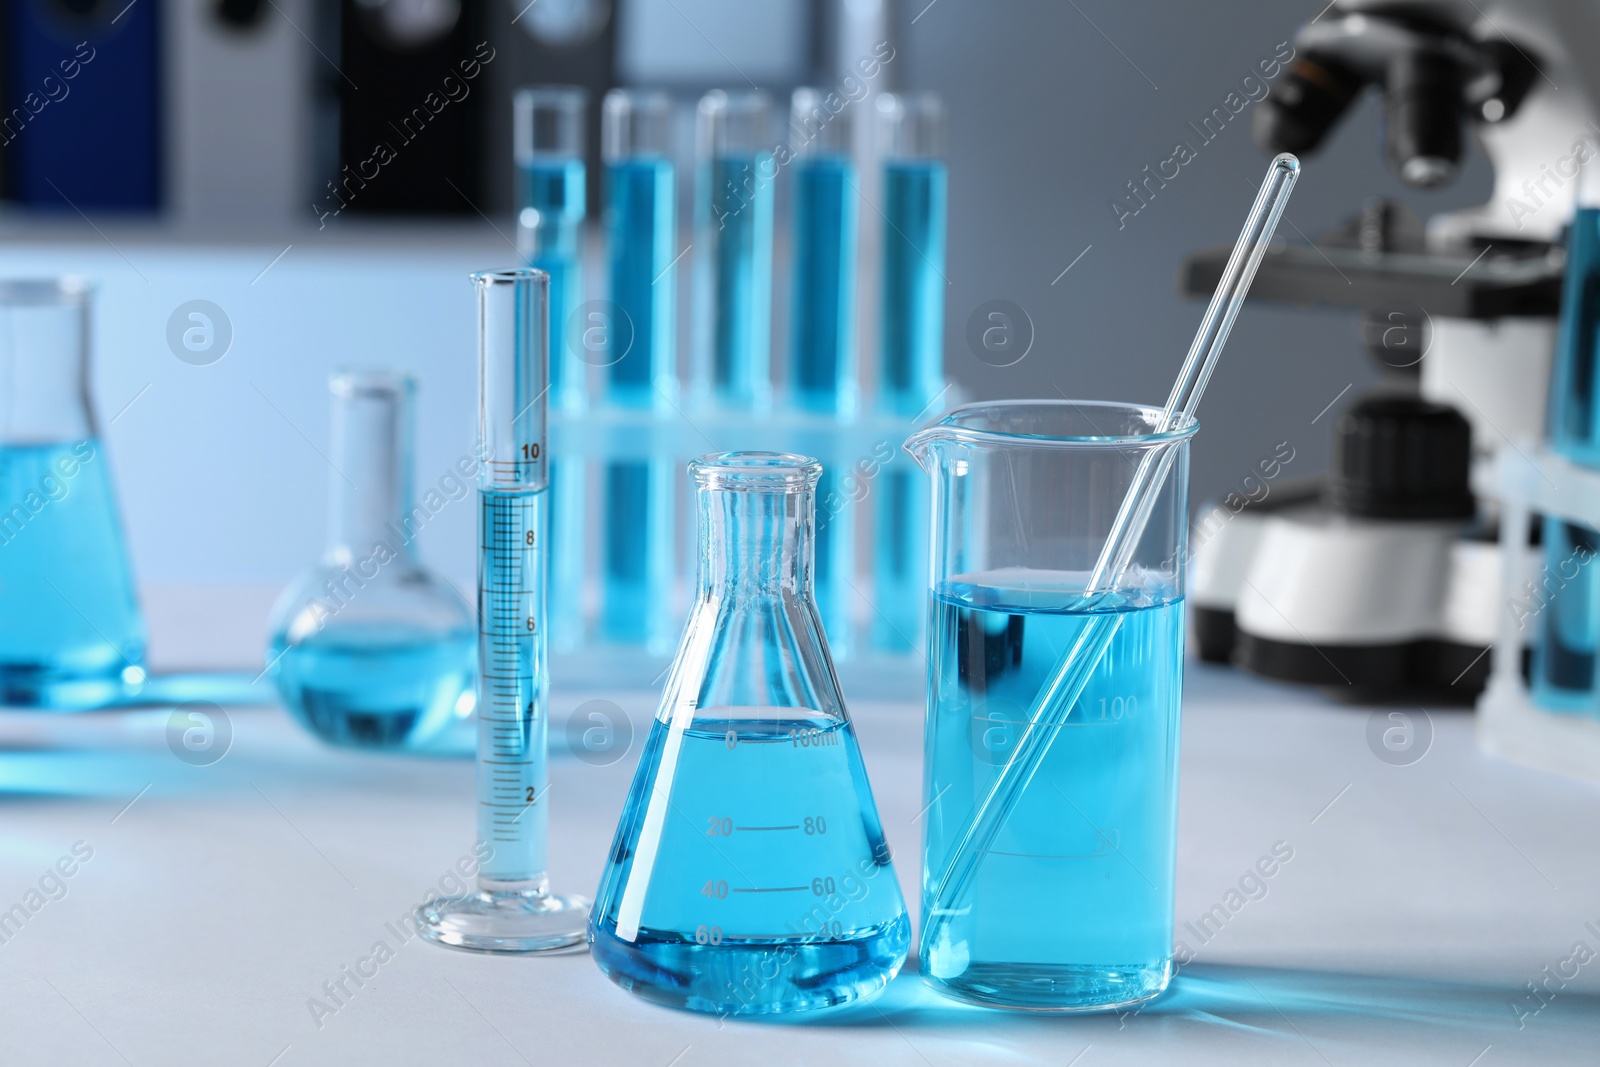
x=368 y=649
x=70 y=631
x=749 y=874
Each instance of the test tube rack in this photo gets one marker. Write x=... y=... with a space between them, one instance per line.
x=863 y=452
x=1531 y=480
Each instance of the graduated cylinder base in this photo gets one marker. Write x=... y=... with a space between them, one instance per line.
x=505 y=921
x=1047 y=987
x=753 y=976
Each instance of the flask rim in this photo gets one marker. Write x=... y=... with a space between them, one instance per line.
x=66 y=289
x=766 y=472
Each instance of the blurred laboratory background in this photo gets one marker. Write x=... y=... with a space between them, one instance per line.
x=205 y=153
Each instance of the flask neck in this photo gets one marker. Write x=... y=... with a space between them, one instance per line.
x=43 y=357
x=756 y=541
x=372 y=459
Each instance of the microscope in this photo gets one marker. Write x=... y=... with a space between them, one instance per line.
x=1383 y=579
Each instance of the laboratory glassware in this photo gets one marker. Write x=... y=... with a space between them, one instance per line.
x=822 y=345
x=1569 y=627
x=910 y=137
x=733 y=263
x=638 y=494
x=551 y=194
x=950 y=881
x=71 y=635
x=749 y=873
x=549 y=144
x=513 y=909
x=1071 y=903
x=369 y=649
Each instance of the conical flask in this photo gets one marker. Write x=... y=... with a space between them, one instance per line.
x=750 y=874
x=71 y=635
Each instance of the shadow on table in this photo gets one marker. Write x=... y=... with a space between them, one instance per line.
x=1268 y=1000
x=174 y=751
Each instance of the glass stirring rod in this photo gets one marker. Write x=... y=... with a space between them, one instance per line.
x=513 y=909
x=1056 y=698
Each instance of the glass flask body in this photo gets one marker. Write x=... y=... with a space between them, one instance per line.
x=749 y=874
x=1066 y=902
x=71 y=635
x=369 y=650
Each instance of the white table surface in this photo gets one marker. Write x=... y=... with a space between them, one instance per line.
x=1418 y=902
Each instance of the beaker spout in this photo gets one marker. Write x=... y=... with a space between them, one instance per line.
x=924 y=446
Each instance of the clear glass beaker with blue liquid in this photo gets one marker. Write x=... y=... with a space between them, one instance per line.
x=1062 y=898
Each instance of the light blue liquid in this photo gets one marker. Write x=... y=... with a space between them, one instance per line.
x=638 y=506
x=555 y=189
x=912 y=342
x=1072 y=905
x=914 y=196
x=822 y=359
x=1564 y=658
x=70 y=626
x=641 y=232
x=379 y=686
x=514 y=679
x=901 y=559
x=745 y=877
x=1575 y=376
x=735 y=290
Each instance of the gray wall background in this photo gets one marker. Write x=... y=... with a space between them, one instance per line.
x=1053 y=107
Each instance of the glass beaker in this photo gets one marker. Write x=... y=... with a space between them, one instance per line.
x=368 y=649
x=749 y=874
x=1067 y=905
x=71 y=635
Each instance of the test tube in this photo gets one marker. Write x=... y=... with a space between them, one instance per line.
x=733 y=263
x=822 y=348
x=641 y=231
x=911 y=342
x=548 y=141
x=1564 y=675
x=547 y=136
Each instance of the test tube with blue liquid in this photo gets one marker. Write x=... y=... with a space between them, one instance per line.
x=1564 y=662
x=733 y=260
x=911 y=134
x=822 y=343
x=637 y=563
x=552 y=198
x=513 y=909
